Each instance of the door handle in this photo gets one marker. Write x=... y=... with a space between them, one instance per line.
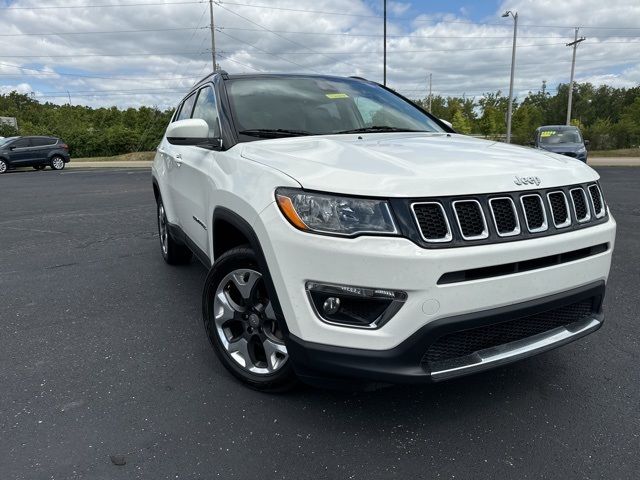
x=178 y=158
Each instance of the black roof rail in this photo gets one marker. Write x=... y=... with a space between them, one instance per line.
x=223 y=73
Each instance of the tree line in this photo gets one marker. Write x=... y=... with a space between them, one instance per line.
x=89 y=132
x=608 y=117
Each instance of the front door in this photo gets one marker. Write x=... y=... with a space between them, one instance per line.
x=20 y=153
x=192 y=178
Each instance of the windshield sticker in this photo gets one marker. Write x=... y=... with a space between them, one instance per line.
x=337 y=95
x=548 y=133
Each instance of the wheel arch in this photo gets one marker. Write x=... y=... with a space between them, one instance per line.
x=156 y=189
x=236 y=225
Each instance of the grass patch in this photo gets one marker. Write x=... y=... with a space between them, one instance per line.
x=127 y=157
x=623 y=152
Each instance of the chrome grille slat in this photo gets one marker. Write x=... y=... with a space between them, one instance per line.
x=505 y=215
x=535 y=216
x=580 y=205
x=596 y=201
x=471 y=220
x=559 y=207
x=432 y=221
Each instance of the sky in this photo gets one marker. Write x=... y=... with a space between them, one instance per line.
x=130 y=53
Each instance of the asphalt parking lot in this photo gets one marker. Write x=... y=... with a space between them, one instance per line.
x=102 y=353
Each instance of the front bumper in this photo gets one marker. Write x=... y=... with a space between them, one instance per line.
x=294 y=258
x=405 y=363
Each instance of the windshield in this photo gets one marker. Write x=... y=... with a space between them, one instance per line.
x=288 y=106
x=559 y=136
x=6 y=140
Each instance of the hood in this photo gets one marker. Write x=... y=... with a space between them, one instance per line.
x=413 y=164
x=563 y=147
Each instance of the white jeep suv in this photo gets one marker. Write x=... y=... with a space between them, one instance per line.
x=353 y=237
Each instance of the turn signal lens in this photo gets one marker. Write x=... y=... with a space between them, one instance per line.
x=286 y=206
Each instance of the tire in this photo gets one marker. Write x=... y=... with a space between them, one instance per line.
x=172 y=252
x=39 y=167
x=57 y=162
x=245 y=335
x=3 y=167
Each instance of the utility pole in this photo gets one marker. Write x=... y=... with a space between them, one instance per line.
x=573 y=44
x=430 y=75
x=213 y=36
x=513 y=66
x=384 y=72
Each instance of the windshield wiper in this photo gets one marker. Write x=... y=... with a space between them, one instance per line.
x=273 y=132
x=378 y=128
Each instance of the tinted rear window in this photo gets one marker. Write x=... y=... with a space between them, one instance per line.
x=43 y=141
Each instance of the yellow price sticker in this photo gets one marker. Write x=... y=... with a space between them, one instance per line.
x=547 y=133
x=337 y=95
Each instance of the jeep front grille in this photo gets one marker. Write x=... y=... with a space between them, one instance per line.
x=501 y=217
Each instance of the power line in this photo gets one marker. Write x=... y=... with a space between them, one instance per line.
x=106 y=77
x=141 y=54
x=42 y=34
x=270 y=53
x=240 y=63
x=401 y=17
x=376 y=35
x=300 y=10
x=280 y=36
x=110 y=5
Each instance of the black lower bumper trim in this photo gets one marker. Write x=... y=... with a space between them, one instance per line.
x=314 y=362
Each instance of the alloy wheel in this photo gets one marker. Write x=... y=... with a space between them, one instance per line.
x=246 y=325
x=3 y=166
x=57 y=163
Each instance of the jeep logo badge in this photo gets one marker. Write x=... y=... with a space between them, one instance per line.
x=527 y=180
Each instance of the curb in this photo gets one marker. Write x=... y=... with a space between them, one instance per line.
x=116 y=164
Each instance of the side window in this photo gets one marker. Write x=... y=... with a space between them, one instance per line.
x=187 y=106
x=21 y=143
x=41 y=142
x=206 y=110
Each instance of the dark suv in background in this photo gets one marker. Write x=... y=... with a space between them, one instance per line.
x=36 y=152
x=562 y=139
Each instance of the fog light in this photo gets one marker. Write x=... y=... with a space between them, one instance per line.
x=352 y=306
x=331 y=305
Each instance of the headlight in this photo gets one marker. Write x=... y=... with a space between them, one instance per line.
x=581 y=151
x=332 y=214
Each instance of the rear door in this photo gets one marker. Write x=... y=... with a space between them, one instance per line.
x=192 y=178
x=40 y=148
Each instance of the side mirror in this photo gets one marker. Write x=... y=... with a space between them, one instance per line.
x=448 y=124
x=587 y=143
x=193 y=131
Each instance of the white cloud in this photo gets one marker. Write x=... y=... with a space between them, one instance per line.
x=463 y=57
x=20 y=88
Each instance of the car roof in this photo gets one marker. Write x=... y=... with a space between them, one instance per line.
x=227 y=76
